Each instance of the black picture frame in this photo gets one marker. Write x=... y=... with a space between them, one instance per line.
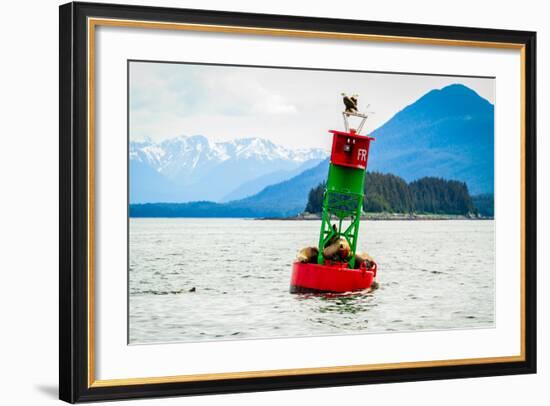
x=74 y=384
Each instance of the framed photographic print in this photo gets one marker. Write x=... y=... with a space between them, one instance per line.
x=257 y=202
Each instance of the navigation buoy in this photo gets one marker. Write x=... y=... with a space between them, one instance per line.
x=341 y=215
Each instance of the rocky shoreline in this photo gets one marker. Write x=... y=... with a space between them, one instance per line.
x=388 y=216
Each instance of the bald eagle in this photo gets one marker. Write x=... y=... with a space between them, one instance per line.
x=351 y=103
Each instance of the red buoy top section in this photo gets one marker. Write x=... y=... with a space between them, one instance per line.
x=350 y=149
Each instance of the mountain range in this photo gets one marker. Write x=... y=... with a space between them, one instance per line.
x=189 y=168
x=447 y=133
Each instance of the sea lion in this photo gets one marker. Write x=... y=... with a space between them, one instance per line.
x=337 y=249
x=307 y=255
x=361 y=257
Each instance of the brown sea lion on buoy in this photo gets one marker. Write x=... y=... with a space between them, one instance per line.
x=337 y=249
x=307 y=255
x=361 y=257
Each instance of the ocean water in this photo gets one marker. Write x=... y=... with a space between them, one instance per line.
x=224 y=279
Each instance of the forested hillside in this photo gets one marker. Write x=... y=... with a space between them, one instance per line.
x=390 y=193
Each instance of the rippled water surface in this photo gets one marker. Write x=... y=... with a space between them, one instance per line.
x=433 y=275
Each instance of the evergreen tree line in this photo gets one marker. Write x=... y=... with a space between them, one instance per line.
x=392 y=194
x=485 y=204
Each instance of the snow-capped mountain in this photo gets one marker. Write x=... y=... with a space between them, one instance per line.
x=190 y=168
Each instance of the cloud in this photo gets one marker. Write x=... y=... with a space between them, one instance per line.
x=189 y=89
x=294 y=108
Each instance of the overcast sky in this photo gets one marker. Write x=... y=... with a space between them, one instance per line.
x=291 y=107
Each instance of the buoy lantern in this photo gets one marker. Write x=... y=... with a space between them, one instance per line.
x=337 y=268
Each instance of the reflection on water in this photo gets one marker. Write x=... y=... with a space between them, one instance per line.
x=211 y=279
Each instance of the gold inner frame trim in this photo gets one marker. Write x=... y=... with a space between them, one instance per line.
x=300 y=371
x=94 y=22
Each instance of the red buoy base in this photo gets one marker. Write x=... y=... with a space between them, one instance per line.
x=329 y=278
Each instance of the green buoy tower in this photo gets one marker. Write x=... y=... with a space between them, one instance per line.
x=342 y=208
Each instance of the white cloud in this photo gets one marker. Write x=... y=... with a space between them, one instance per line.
x=291 y=107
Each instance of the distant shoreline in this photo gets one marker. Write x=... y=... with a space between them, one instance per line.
x=385 y=217
x=317 y=217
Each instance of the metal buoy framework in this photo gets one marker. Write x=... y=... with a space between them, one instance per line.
x=342 y=208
